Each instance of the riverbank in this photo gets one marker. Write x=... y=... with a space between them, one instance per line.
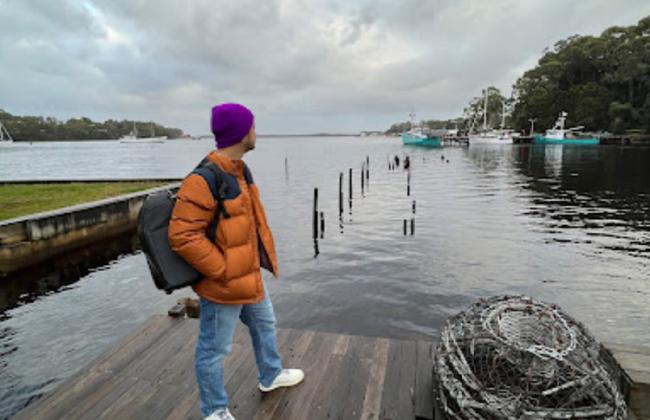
x=28 y=240
x=24 y=198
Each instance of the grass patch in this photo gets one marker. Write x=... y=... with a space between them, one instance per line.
x=23 y=199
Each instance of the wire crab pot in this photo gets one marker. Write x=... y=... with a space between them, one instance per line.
x=513 y=357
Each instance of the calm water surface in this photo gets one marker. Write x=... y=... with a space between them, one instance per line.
x=566 y=224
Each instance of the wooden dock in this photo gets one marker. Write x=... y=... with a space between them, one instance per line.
x=150 y=374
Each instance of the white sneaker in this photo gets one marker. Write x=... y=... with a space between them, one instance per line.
x=288 y=377
x=220 y=414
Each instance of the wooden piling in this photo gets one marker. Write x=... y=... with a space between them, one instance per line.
x=350 y=192
x=413 y=207
x=412 y=225
x=322 y=225
x=362 y=179
x=408 y=183
x=340 y=193
x=405 y=223
x=315 y=215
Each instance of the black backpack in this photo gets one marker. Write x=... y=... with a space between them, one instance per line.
x=169 y=270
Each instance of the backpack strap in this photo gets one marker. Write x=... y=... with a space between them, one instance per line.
x=213 y=176
x=248 y=176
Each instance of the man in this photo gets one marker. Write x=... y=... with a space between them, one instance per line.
x=233 y=286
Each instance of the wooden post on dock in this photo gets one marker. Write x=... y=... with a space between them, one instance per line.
x=315 y=220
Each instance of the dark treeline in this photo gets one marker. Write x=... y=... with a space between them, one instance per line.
x=603 y=82
x=31 y=128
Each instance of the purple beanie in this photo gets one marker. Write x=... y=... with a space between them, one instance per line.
x=230 y=124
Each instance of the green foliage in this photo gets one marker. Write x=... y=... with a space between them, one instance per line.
x=30 y=128
x=602 y=82
x=473 y=114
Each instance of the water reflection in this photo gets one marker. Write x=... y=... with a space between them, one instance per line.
x=27 y=285
x=590 y=194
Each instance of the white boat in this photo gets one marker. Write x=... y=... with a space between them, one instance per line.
x=132 y=137
x=489 y=135
x=5 y=137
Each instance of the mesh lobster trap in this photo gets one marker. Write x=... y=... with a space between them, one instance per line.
x=513 y=357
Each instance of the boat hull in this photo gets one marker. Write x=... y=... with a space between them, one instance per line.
x=490 y=140
x=549 y=140
x=411 y=140
x=161 y=139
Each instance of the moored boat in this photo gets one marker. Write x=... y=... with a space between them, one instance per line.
x=417 y=136
x=5 y=137
x=560 y=135
x=132 y=137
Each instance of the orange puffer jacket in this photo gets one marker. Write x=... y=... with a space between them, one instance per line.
x=243 y=241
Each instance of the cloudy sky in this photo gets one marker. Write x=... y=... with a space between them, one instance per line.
x=301 y=65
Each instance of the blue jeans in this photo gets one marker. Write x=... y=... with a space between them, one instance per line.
x=216 y=329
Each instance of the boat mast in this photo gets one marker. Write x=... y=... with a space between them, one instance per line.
x=412 y=115
x=485 y=104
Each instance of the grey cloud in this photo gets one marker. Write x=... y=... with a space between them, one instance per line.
x=303 y=66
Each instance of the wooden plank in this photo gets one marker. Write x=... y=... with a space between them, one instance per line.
x=372 y=400
x=399 y=383
x=423 y=378
x=319 y=405
x=150 y=374
x=247 y=399
x=357 y=366
x=247 y=372
x=107 y=387
x=281 y=404
x=97 y=371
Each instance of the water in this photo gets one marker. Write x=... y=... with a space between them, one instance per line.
x=568 y=224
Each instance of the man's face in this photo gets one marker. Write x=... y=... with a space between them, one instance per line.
x=251 y=138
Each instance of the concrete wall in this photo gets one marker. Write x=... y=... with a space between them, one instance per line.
x=35 y=238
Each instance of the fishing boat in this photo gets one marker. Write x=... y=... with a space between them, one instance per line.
x=560 y=135
x=5 y=137
x=417 y=137
x=489 y=135
x=132 y=137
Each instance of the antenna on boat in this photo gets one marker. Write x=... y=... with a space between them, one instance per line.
x=412 y=116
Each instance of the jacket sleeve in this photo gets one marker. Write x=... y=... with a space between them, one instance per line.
x=192 y=214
